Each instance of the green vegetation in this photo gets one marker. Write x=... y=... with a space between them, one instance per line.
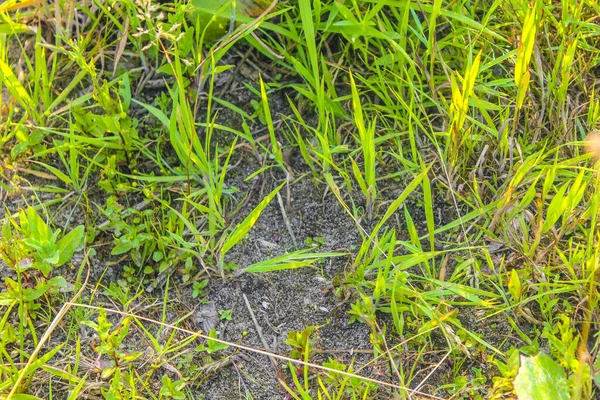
x=419 y=169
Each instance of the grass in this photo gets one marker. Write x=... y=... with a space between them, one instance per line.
x=139 y=151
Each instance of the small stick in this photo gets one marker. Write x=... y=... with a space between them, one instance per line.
x=286 y=221
x=240 y=378
x=264 y=342
x=259 y=331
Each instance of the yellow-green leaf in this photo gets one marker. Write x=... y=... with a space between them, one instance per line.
x=541 y=378
x=522 y=76
x=214 y=16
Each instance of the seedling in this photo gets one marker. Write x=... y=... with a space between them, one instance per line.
x=212 y=346
x=225 y=315
x=32 y=250
x=111 y=340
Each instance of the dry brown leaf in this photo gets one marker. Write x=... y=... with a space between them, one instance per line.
x=122 y=45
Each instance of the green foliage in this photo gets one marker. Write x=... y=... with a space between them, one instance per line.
x=111 y=342
x=198 y=289
x=212 y=346
x=448 y=131
x=301 y=343
x=314 y=242
x=241 y=229
x=344 y=385
x=292 y=260
x=540 y=377
x=29 y=245
x=225 y=315
x=32 y=250
x=215 y=18
x=170 y=389
x=564 y=342
x=508 y=371
x=155 y=245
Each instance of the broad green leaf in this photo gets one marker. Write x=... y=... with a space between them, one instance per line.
x=37 y=226
x=31 y=294
x=6 y=299
x=514 y=285
x=6 y=230
x=68 y=244
x=214 y=346
x=555 y=209
x=359 y=177
x=122 y=248
x=125 y=91
x=214 y=16
x=541 y=378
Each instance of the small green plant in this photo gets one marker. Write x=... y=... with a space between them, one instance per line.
x=198 y=289
x=302 y=349
x=225 y=315
x=122 y=386
x=366 y=177
x=564 y=342
x=314 y=242
x=353 y=387
x=111 y=342
x=172 y=389
x=301 y=343
x=155 y=246
x=467 y=386
x=364 y=311
x=32 y=250
x=212 y=346
x=508 y=369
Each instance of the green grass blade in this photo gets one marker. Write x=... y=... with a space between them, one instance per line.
x=244 y=227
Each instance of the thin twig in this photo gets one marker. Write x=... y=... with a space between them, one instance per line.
x=259 y=331
x=430 y=373
x=287 y=221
